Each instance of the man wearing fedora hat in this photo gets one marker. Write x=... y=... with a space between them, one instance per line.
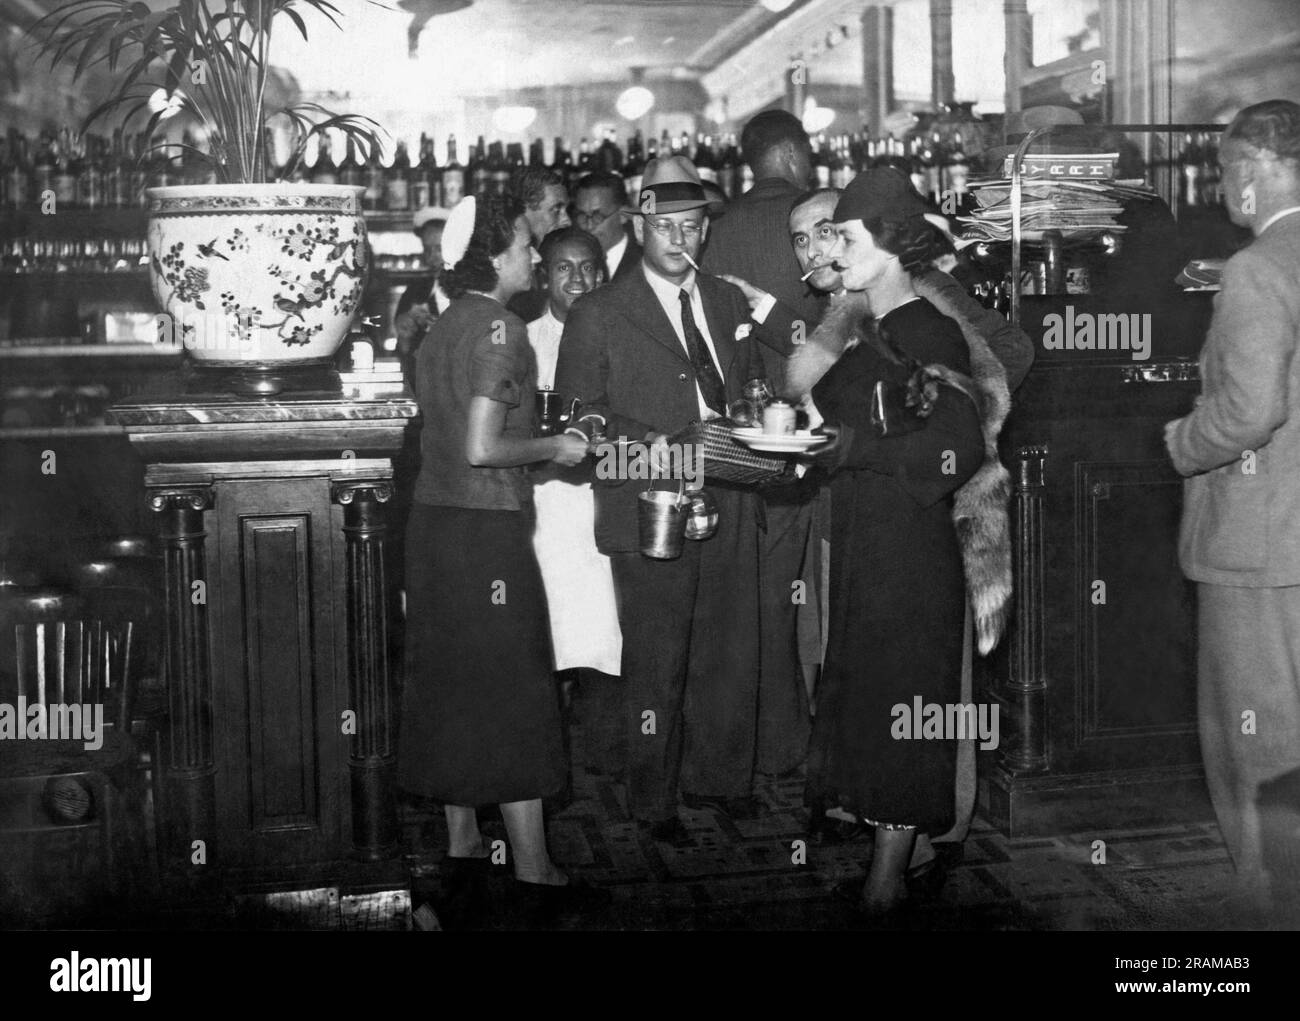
x=649 y=353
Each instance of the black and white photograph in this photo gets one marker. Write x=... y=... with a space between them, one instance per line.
x=651 y=466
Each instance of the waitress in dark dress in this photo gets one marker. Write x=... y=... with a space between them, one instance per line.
x=480 y=720
x=898 y=598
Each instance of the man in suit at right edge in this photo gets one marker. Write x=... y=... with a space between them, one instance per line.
x=1240 y=533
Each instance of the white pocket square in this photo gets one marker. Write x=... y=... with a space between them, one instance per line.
x=744 y=330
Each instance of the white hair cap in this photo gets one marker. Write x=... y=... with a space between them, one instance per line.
x=459 y=229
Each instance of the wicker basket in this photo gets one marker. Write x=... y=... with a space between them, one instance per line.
x=728 y=460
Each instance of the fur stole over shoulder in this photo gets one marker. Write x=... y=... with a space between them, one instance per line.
x=980 y=506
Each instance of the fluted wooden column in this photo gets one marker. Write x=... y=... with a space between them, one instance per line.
x=372 y=748
x=1027 y=684
x=189 y=775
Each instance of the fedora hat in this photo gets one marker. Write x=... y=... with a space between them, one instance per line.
x=670 y=184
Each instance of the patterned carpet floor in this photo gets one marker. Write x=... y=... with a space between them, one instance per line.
x=755 y=875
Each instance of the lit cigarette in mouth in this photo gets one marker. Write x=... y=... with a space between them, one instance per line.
x=694 y=265
x=818 y=266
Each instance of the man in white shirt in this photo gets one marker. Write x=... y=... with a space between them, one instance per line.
x=579 y=584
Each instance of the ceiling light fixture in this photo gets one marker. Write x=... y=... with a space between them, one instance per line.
x=634 y=102
x=511 y=120
x=816 y=118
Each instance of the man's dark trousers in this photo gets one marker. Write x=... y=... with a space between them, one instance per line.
x=691 y=657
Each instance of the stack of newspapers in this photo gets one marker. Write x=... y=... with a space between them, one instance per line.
x=1080 y=210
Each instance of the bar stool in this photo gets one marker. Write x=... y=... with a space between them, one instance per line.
x=65 y=660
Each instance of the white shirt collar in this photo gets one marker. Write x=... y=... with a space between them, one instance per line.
x=614 y=257
x=1277 y=216
x=665 y=290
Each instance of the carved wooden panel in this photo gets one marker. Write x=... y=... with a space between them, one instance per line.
x=279 y=773
x=1136 y=649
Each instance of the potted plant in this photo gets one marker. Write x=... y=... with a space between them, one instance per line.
x=261 y=279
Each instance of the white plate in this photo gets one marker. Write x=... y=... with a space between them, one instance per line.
x=778 y=443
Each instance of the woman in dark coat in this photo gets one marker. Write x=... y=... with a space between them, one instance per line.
x=898 y=595
x=480 y=720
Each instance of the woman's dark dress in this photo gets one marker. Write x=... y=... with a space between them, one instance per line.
x=898 y=595
x=480 y=718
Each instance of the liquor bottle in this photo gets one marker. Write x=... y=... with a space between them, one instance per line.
x=373 y=198
x=351 y=172
x=934 y=169
x=585 y=165
x=916 y=158
x=956 y=173
x=705 y=163
x=839 y=161
x=683 y=145
x=1211 y=178
x=269 y=158
x=433 y=175
x=397 y=192
x=115 y=174
x=537 y=153
x=634 y=169
x=453 y=176
x=727 y=166
x=479 y=174
x=666 y=145
x=1190 y=166
x=421 y=194
x=498 y=170
x=324 y=171
x=609 y=157
x=821 y=164
x=67 y=164
x=16 y=174
x=515 y=162
x=90 y=182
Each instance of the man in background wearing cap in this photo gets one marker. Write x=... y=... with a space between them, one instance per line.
x=652 y=352
x=415 y=310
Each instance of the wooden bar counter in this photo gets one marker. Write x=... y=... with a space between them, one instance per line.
x=1096 y=680
x=282 y=713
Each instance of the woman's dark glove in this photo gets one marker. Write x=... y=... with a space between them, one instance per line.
x=830 y=456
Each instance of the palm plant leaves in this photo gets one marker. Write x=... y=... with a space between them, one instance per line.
x=214 y=60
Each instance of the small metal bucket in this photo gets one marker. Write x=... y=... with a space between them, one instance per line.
x=661 y=519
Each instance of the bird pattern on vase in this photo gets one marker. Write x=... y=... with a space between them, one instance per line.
x=338 y=253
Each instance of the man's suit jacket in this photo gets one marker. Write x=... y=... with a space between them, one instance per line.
x=753 y=242
x=631 y=255
x=1241 y=443
x=621 y=355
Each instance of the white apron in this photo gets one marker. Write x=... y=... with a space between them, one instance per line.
x=577 y=577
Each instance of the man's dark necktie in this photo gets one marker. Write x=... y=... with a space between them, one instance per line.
x=706 y=373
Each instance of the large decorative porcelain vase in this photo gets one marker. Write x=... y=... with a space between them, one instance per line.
x=259 y=281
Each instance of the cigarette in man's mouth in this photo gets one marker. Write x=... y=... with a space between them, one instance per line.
x=816 y=267
x=694 y=265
